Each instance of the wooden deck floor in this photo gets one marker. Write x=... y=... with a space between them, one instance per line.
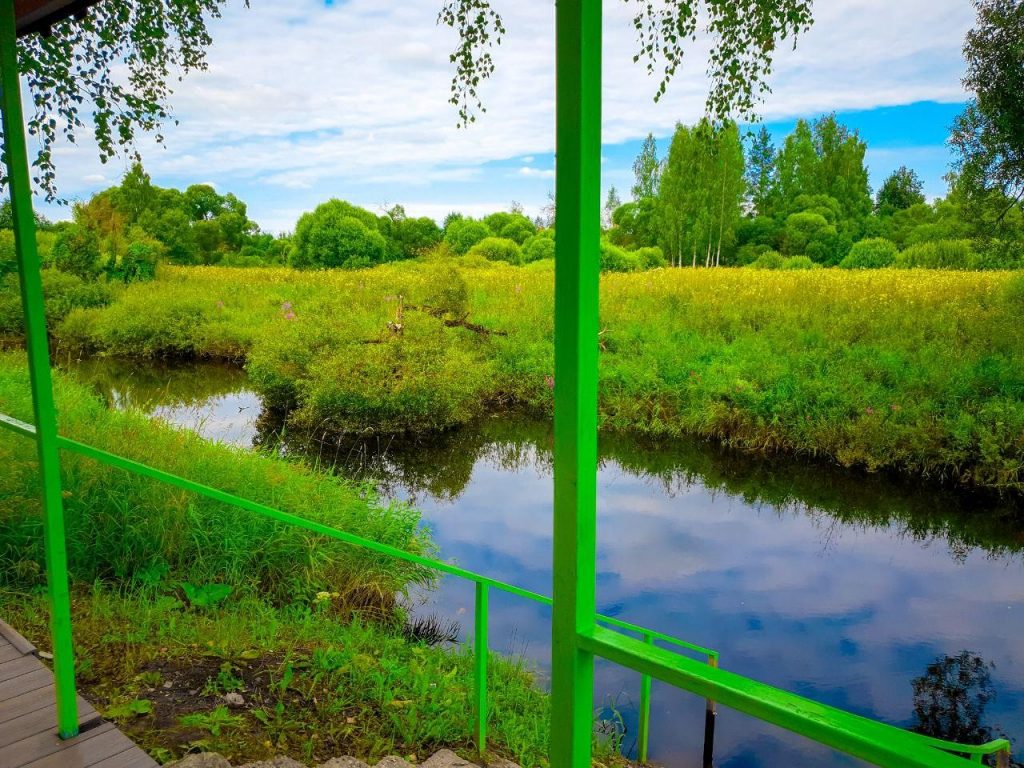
x=28 y=723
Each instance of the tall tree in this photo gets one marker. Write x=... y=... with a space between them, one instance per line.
x=761 y=172
x=901 y=190
x=988 y=138
x=646 y=170
x=797 y=166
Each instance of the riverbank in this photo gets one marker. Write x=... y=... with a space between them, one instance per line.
x=179 y=601
x=916 y=371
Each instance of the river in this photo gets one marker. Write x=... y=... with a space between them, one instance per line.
x=840 y=586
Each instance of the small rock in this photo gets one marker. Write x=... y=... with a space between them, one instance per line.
x=392 y=761
x=445 y=758
x=45 y=655
x=276 y=762
x=500 y=762
x=344 y=762
x=234 y=699
x=202 y=760
x=168 y=684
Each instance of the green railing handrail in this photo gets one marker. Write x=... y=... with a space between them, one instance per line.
x=483 y=583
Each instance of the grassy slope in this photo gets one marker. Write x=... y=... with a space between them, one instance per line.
x=914 y=370
x=318 y=680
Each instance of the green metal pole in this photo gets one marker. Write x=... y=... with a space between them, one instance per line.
x=19 y=184
x=577 y=233
x=480 y=666
x=645 y=710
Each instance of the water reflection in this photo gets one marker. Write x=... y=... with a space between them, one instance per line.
x=842 y=587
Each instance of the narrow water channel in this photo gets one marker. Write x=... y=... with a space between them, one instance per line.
x=847 y=588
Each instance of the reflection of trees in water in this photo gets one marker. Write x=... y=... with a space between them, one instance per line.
x=950 y=699
x=144 y=385
x=442 y=465
x=836 y=499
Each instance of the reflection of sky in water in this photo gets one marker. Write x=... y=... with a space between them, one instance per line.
x=844 y=614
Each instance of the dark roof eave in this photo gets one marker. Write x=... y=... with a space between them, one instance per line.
x=40 y=15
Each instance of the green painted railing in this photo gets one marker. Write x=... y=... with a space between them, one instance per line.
x=577 y=637
x=483 y=583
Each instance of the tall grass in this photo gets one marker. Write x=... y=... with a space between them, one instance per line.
x=915 y=370
x=127 y=529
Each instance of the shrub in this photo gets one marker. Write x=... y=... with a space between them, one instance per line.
x=463 y=234
x=77 y=252
x=804 y=228
x=62 y=293
x=497 y=249
x=138 y=262
x=337 y=234
x=650 y=257
x=748 y=254
x=615 y=259
x=769 y=260
x=940 y=254
x=1000 y=255
x=538 y=247
x=799 y=262
x=872 y=253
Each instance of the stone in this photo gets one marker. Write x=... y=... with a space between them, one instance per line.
x=234 y=699
x=343 y=762
x=500 y=762
x=275 y=762
x=445 y=758
x=393 y=761
x=201 y=760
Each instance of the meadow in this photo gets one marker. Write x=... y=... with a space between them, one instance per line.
x=918 y=371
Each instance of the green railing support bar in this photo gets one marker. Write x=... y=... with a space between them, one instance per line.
x=877 y=743
x=20 y=186
x=577 y=233
x=645 y=710
x=480 y=667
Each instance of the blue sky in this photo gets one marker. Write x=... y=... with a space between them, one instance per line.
x=308 y=100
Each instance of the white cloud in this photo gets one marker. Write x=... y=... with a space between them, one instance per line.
x=537 y=173
x=303 y=96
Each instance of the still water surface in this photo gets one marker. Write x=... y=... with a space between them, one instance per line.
x=838 y=586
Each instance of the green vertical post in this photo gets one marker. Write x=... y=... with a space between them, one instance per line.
x=19 y=185
x=577 y=233
x=480 y=666
x=645 y=710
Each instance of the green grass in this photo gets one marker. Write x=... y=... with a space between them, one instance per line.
x=132 y=530
x=314 y=685
x=914 y=370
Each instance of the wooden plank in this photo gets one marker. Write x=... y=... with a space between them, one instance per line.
x=40 y=745
x=9 y=652
x=20 y=666
x=41 y=720
x=11 y=636
x=15 y=706
x=107 y=750
x=40 y=678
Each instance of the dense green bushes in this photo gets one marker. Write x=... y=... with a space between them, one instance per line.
x=873 y=253
x=498 y=249
x=915 y=370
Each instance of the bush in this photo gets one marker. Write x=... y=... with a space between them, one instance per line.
x=77 y=252
x=337 y=234
x=941 y=254
x=873 y=253
x=769 y=260
x=748 y=254
x=498 y=249
x=615 y=259
x=650 y=257
x=62 y=293
x=138 y=262
x=538 y=247
x=1000 y=255
x=463 y=234
x=799 y=262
